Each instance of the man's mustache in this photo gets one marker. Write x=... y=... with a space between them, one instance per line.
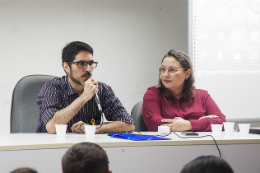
x=87 y=74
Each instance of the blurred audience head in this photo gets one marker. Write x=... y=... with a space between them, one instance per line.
x=207 y=164
x=85 y=157
x=24 y=170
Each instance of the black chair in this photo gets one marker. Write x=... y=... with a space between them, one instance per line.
x=136 y=114
x=24 y=110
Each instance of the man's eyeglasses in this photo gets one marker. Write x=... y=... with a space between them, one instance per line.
x=84 y=64
x=170 y=70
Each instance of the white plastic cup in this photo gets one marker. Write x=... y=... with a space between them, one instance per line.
x=61 y=130
x=90 y=132
x=244 y=129
x=229 y=127
x=163 y=130
x=216 y=129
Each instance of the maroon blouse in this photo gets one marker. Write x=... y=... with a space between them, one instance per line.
x=157 y=107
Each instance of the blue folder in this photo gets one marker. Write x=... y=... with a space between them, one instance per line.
x=136 y=137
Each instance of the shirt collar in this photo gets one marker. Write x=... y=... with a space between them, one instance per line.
x=184 y=95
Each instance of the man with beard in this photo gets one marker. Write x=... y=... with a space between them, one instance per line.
x=69 y=99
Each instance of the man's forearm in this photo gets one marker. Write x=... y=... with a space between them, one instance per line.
x=65 y=115
x=116 y=126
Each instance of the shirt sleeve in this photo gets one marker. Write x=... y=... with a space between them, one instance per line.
x=113 y=108
x=211 y=109
x=151 y=109
x=49 y=101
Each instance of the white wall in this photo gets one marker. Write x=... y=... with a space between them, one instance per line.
x=129 y=39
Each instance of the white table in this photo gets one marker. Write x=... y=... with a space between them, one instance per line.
x=44 y=152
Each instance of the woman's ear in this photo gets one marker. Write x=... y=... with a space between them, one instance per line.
x=188 y=73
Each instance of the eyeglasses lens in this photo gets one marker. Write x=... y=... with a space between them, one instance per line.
x=84 y=64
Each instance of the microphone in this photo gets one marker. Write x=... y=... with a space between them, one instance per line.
x=95 y=97
x=100 y=110
x=98 y=102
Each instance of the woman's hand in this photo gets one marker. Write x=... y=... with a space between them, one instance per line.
x=208 y=116
x=177 y=124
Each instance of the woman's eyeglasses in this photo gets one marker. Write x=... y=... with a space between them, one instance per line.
x=170 y=70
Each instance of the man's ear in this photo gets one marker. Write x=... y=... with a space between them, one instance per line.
x=188 y=72
x=109 y=171
x=66 y=67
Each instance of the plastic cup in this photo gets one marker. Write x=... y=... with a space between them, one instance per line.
x=61 y=130
x=90 y=132
x=216 y=129
x=163 y=130
x=229 y=127
x=244 y=129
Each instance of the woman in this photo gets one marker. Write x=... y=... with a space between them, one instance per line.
x=175 y=102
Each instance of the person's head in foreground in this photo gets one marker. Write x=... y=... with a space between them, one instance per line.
x=24 y=170
x=176 y=75
x=85 y=157
x=207 y=164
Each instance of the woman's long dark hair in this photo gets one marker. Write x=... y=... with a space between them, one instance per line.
x=186 y=64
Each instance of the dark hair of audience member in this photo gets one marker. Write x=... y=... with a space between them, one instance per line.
x=85 y=158
x=24 y=170
x=207 y=164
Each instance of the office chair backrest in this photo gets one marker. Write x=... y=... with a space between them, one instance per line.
x=138 y=118
x=24 y=110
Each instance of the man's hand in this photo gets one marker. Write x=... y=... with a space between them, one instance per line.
x=90 y=88
x=75 y=128
x=177 y=124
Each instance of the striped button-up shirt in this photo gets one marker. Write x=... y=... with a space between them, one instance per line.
x=58 y=94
